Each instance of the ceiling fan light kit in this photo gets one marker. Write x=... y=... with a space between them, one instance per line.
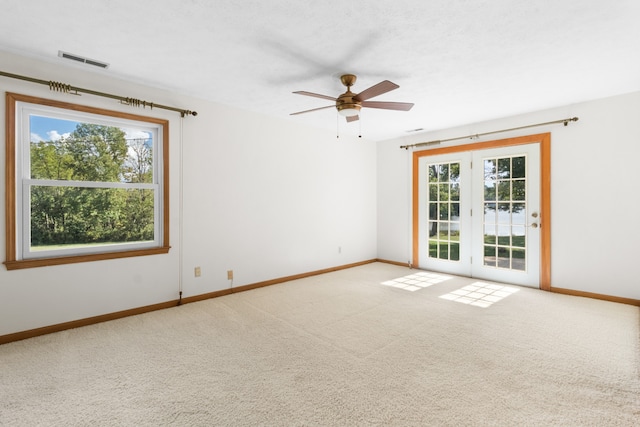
x=348 y=110
x=349 y=104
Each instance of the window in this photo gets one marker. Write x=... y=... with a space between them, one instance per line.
x=83 y=184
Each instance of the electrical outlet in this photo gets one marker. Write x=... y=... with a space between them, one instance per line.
x=230 y=274
x=197 y=272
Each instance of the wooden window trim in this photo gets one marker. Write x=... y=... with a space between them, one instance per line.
x=11 y=262
x=544 y=139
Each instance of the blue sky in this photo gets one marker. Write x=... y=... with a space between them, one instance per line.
x=49 y=129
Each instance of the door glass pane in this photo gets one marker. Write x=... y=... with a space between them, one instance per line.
x=444 y=212
x=444 y=216
x=489 y=169
x=433 y=192
x=504 y=235
x=518 y=189
x=518 y=167
x=517 y=236
x=504 y=190
x=444 y=192
x=455 y=251
x=443 y=252
x=454 y=172
x=489 y=190
x=505 y=222
x=490 y=256
x=455 y=192
x=433 y=249
x=433 y=211
x=490 y=213
x=504 y=240
x=517 y=260
x=518 y=213
x=433 y=228
x=504 y=168
x=444 y=173
x=433 y=173
x=455 y=211
x=504 y=255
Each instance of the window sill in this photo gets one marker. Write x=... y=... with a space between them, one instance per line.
x=44 y=262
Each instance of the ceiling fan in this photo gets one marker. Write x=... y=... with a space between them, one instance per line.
x=349 y=104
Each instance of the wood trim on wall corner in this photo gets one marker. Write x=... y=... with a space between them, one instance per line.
x=401 y=264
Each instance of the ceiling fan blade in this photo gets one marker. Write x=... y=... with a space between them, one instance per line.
x=352 y=118
x=400 y=106
x=314 y=109
x=316 y=95
x=375 y=90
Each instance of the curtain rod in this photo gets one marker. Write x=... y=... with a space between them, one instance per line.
x=478 y=135
x=65 y=88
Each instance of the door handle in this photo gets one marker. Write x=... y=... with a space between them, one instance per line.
x=534 y=225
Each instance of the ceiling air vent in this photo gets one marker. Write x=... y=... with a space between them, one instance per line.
x=79 y=58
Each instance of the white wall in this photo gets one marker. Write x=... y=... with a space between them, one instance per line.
x=269 y=199
x=595 y=192
x=265 y=197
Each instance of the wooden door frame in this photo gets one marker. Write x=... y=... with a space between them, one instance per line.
x=544 y=141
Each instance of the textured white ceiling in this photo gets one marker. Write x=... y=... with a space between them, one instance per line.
x=459 y=61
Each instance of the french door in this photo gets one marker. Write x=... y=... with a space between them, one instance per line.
x=479 y=213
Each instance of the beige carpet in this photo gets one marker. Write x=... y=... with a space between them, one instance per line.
x=364 y=346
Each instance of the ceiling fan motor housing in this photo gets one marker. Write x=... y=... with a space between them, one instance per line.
x=346 y=102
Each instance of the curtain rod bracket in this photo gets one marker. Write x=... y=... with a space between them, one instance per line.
x=62 y=87
x=137 y=103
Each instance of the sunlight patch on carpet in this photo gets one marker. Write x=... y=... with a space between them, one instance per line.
x=417 y=281
x=480 y=294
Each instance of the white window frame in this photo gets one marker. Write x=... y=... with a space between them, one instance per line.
x=19 y=252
